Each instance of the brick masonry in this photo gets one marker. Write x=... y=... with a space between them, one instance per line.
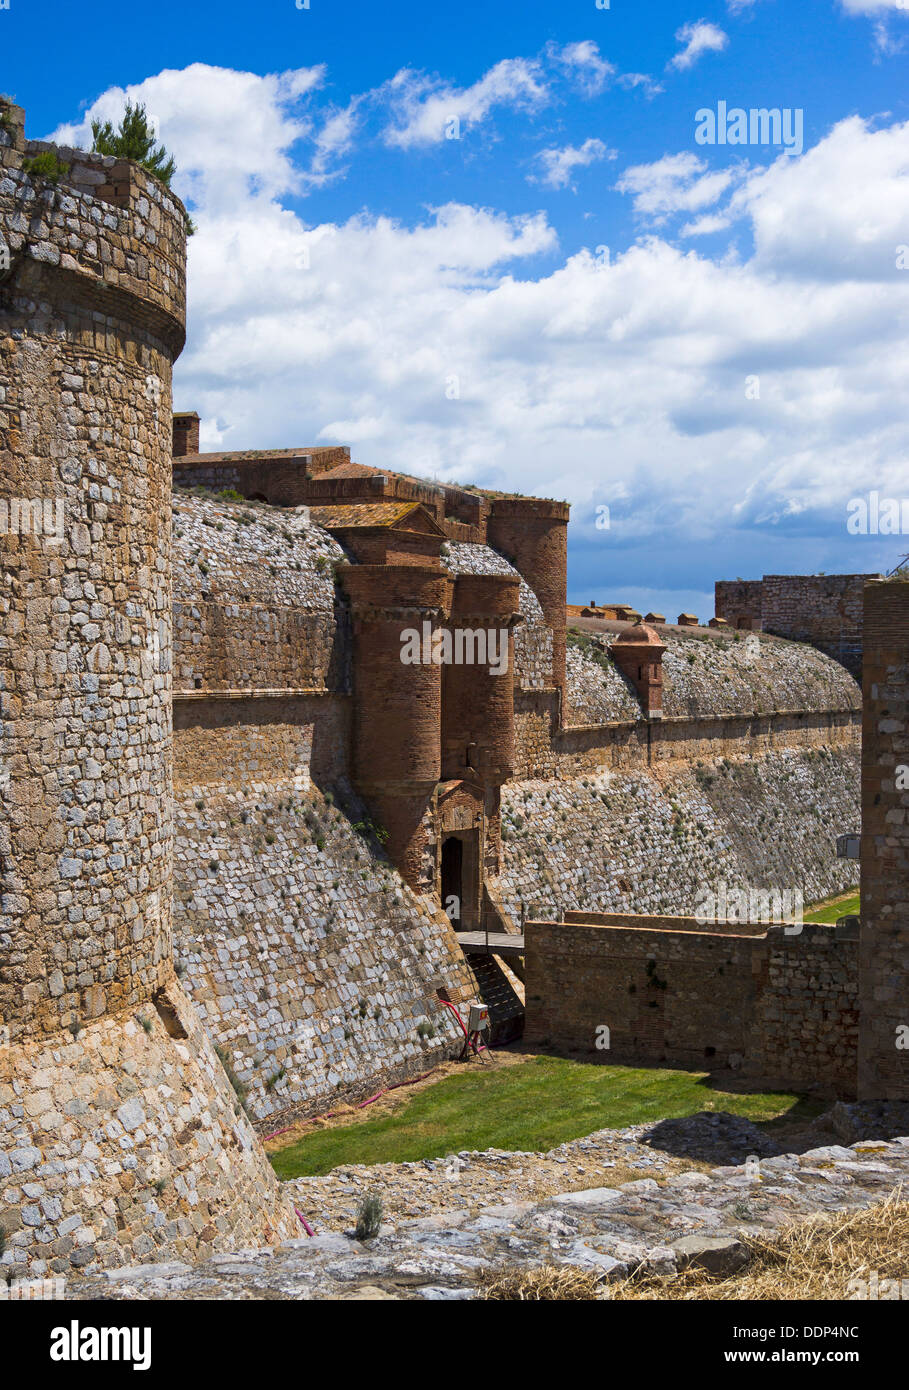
x=884 y=1051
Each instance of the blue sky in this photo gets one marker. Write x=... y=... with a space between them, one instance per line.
x=483 y=243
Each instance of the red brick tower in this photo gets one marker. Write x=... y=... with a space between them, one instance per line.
x=477 y=695
x=398 y=710
x=533 y=534
x=884 y=950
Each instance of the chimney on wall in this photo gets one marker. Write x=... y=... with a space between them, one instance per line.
x=638 y=653
x=186 y=434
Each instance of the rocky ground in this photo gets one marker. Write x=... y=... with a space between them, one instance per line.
x=469 y=1181
x=447 y=1225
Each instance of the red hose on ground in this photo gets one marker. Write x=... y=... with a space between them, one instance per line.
x=329 y=1113
x=483 y=1047
x=304 y=1223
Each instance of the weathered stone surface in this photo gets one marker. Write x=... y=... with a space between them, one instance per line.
x=722 y=1254
x=443 y=1257
x=121 y=1133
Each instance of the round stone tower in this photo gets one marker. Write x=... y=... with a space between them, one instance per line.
x=120 y=1135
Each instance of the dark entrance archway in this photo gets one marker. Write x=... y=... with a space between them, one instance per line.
x=452 y=878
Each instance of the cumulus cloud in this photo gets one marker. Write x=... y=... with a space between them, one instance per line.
x=707 y=225
x=584 y=62
x=422 y=107
x=230 y=132
x=676 y=183
x=838 y=212
x=697 y=39
x=875 y=7
x=446 y=346
x=557 y=165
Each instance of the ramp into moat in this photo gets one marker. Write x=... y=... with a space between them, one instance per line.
x=495 y=960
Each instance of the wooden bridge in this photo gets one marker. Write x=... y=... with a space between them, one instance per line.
x=491 y=943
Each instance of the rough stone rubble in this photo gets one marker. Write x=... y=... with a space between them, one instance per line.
x=689 y=1216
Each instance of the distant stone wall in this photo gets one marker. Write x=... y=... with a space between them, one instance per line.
x=778 y=1007
x=824 y=610
x=650 y=839
x=739 y=602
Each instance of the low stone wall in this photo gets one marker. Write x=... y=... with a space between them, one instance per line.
x=778 y=1003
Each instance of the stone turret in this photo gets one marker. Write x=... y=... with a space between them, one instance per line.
x=113 y=1107
x=533 y=534
x=638 y=653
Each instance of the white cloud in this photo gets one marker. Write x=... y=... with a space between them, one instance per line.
x=222 y=155
x=423 y=110
x=886 y=43
x=557 y=165
x=583 y=61
x=875 y=7
x=593 y=73
x=676 y=183
x=737 y=6
x=839 y=212
x=423 y=106
x=707 y=225
x=630 y=80
x=334 y=139
x=697 y=39
x=598 y=377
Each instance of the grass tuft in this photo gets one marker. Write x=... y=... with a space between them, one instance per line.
x=542 y=1284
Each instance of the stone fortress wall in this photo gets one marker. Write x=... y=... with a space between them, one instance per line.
x=294 y=931
x=824 y=610
x=327 y=798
